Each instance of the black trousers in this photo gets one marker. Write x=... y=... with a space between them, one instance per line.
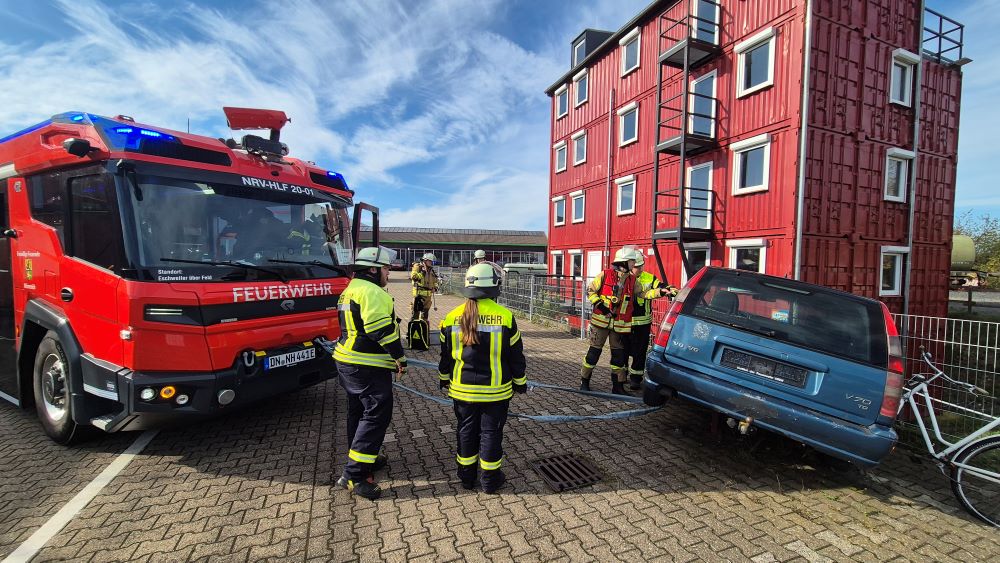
x=369 y=411
x=638 y=347
x=480 y=439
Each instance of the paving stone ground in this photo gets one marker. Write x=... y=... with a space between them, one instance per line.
x=258 y=485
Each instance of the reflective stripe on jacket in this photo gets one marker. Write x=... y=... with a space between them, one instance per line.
x=423 y=284
x=486 y=371
x=601 y=290
x=647 y=288
x=369 y=335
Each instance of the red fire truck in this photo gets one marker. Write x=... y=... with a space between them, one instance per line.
x=149 y=275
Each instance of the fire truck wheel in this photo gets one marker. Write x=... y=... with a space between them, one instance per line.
x=52 y=402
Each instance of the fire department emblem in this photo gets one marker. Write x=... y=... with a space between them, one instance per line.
x=27 y=269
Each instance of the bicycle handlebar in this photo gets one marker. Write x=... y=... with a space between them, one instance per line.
x=970 y=387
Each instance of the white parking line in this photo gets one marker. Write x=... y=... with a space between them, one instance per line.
x=34 y=544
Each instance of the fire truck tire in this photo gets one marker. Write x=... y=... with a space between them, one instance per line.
x=52 y=394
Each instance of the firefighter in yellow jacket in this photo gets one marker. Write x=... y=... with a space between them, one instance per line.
x=647 y=288
x=425 y=283
x=482 y=363
x=367 y=355
x=610 y=294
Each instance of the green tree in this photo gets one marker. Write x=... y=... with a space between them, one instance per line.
x=985 y=233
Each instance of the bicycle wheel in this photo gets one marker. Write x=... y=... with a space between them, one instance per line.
x=978 y=493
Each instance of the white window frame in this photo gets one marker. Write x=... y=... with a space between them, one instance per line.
x=573 y=254
x=562 y=271
x=741 y=147
x=560 y=146
x=578 y=138
x=622 y=112
x=900 y=253
x=734 y=245
x=906 y=157
x=621 y=183
x=581 y=43
x=714 y=75
x=687 y=194
x=706 y=246
x=744 y=47
x=555 y=218
x=573 y=196
x=715 y=18
x=909 y=61
x=580 y=76
x=563 y=90
x=623 y=43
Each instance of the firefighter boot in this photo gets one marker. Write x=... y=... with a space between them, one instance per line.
x=585 y=373
x=634 y=381
x=365 y=489
x=467 y=474
x=618 y=377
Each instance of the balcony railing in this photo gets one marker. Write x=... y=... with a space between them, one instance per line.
x=943 y=38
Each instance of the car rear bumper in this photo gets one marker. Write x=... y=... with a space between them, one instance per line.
x=207 y=392
x=864 y=446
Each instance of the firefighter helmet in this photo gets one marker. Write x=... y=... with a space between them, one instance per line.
x=483 y=281
x=374 y=257
x=480 y=255
x=639 y=258
x=623 y=255
x=428 y=256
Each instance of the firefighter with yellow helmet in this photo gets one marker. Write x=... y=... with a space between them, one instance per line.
x=482 y=364
x=478 y=257
x=647 y=288
x=425 y=283
x=368 y=353
x=611 y=296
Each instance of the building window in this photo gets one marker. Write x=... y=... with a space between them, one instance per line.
x=560 y=156
x=901 y=76
x=628 y=124
x=578 y=206
x=701 y=104
x=698 y=197
x=579 y=147
x=897 y=174
x=699 y=255
x=630 y=51
x=562 y=101
x=576 y=263
x=747 y=254
x=755 y=64
x=557 y=264
x=626 y=195
x=579 y=52
x=580 y=88
x=751 y=164
x=892 y=270
x=559 y=211
x=706 y=21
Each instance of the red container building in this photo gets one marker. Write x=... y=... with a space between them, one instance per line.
x=817 y=140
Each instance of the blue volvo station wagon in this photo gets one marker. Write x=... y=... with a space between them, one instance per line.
x=819 y=366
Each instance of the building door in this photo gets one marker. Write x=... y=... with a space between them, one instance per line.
x=593 y=263
x=8 y=356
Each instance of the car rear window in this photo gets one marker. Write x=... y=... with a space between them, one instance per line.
x=803 y=315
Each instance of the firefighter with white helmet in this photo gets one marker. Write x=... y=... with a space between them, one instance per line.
x=611 y=295
x=482 y=364
x=425 y=283
x=367 y=354
x=647 y=288
x=478 y=257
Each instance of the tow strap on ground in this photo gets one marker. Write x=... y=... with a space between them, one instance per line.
x=544 y=417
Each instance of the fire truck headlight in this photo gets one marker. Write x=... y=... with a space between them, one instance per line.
x=147 y=394
x=182 y=399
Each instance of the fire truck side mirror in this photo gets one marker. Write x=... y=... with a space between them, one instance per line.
x=77 y=147
x=10 y=233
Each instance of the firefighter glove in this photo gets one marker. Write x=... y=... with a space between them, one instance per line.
x=519 y=389
x=601 y=309
x=401 y=367
x=443 y=383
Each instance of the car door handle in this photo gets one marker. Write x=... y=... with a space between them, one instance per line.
x=66 y=294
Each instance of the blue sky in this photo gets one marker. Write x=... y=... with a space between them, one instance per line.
x=434 y=111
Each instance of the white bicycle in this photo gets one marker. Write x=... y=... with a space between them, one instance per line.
x=974 y=461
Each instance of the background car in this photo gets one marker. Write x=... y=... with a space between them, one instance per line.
x=397 y=264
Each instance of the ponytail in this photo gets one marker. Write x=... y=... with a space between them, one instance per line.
x=470 y=323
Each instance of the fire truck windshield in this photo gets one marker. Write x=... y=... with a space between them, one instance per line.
x=191 y=230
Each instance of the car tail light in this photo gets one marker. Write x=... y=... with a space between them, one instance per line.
x=663 y=335
x=894 y=372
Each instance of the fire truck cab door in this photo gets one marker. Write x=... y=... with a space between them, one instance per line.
x=8 y=355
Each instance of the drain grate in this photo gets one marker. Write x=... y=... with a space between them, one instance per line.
x=564 y=472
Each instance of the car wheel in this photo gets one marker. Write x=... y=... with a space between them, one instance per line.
x=51 y=386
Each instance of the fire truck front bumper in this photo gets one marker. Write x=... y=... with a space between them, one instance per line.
x=140 y=400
